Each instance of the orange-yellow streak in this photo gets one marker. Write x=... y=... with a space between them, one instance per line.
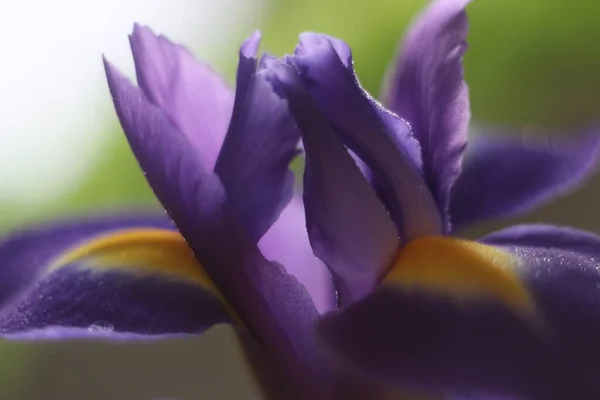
x=460 y=269
x=143 y=250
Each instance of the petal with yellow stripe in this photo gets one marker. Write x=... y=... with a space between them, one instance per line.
x=113 y=276
x=473 y=317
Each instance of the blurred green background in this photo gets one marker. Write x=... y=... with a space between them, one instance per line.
x=531 y=63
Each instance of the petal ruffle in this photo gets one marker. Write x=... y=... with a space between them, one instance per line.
x=260 y=144
x=464 y=317
x=380 y=139
x=427 y=88
x=505 y=177
x=196 y=99
x=110 y=276
x=348 y=227
x=286 y=242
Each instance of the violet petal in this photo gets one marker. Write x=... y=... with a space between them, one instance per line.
x=505 y=177
x=194 y=97
x=427 y=88
x=286 y=242
x=271 y=303
x=348 y=227
x=379 y=138
x=260 y=144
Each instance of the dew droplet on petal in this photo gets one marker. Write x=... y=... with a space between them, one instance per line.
x=101 y=327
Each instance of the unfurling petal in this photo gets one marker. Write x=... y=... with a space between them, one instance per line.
x=271 y=303
x=260 y=144
x=504 y=177
x=347 y=225
x=121 y=275
x=194 y=97
x=426 y=87
x=286 y=242
x=380 y=139
x=472 y=318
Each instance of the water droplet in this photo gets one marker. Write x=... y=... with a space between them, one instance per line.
x=101 y=327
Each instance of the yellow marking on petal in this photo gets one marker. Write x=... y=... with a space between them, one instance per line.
x=461 y=269
x=140 y=250
x=143 y=250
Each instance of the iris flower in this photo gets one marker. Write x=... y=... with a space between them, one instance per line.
x=392 y=300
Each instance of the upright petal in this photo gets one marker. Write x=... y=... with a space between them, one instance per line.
x=270 y=302
x=426 y=87
x=347 y=225
x=188 y=191
x=379 y=138
x=260 y=144
x=503 y=177
x=109 y=276
x=286 y=242
x=462 y=316
x=196 y=99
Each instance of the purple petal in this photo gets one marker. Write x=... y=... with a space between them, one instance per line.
x=197 y=101
x=24 y=253
x=347 y=225
x=287 y=243
x=562 y=267
x=108 y=276
x=260 y=144
x=271 y=303
x=379 y=138
x=191 y=194
x=459 y=316
x=426 y=87
x=505 y=177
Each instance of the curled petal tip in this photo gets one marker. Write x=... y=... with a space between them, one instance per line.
x=250 y=46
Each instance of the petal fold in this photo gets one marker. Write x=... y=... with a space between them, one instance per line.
x=506 y=177
x=197 y=100
x=475 y=318
x=348 y=227
x=109 y=276
x=426 y=87
x=260 y=144
x=382 y=140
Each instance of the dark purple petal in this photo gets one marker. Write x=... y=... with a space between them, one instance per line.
x=23 y=254
x=195 y=98
x=459 y=316
x=504 y=177
x=287 y=243
x=347 y=225
x=562 y=268
x=380 y=139
x=126 y=275
x=270 y=302
x=260 y=144
x=426 y=87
